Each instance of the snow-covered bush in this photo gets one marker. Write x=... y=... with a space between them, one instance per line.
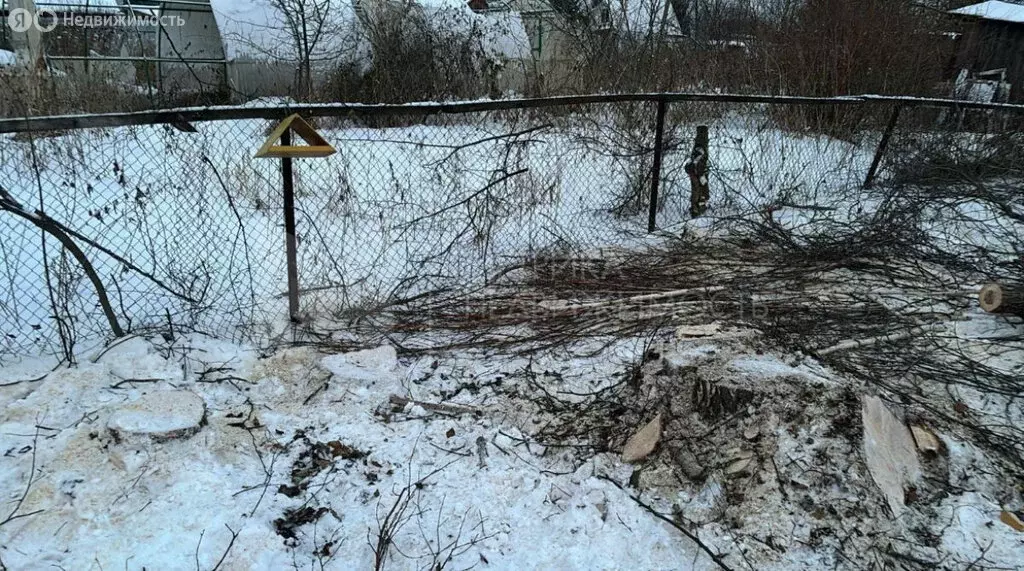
x=420 y=51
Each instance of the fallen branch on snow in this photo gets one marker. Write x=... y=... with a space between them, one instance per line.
x=859 y=343
x=716 y=557
x=401 y=402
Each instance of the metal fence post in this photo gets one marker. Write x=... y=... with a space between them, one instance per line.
x=659 y=136
x=289 y=229
x=882 y=145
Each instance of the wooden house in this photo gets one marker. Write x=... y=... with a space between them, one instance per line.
x=991 y=49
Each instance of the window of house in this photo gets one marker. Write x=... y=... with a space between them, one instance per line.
x=535 y=29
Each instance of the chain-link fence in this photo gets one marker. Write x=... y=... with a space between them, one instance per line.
x=164 y=220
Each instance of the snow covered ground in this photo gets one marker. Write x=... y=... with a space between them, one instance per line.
x=302 y=458
x=108 y=504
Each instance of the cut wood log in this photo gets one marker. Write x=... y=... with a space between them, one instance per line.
x=995 y=298
x=927 y=442
x=1011 y=519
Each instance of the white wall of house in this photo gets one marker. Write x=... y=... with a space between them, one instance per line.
x=249 y=79
x=198 y=38
x=262 y=56
x=551 y=57
x=26 y=45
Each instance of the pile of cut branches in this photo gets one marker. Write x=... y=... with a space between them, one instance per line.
x=873 y=316
x=807 y=302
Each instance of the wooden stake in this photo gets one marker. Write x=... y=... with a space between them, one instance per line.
x=697 y=168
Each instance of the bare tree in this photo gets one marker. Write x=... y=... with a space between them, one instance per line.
x=307 y=23
x=304 y=33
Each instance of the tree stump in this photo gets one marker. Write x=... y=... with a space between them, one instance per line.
x=995 y=298
x=697 y=169
x=159 y=416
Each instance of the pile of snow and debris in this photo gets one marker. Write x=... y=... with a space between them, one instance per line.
x=784 y=458
x=199 y=453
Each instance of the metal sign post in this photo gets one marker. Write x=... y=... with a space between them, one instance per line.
x=316 y=147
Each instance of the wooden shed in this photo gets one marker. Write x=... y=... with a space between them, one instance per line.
x=992 y=44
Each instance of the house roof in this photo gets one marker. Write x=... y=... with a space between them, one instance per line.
x=150 y=7
x=85 y=6
x=642 y=18
x=993 y=10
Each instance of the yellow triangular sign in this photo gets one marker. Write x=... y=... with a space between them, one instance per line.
x=317 y=145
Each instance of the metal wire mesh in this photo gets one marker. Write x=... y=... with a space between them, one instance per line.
x=185 y=228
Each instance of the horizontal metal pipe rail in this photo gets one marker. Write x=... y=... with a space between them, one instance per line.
x=228 y=113
x=147 y=59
